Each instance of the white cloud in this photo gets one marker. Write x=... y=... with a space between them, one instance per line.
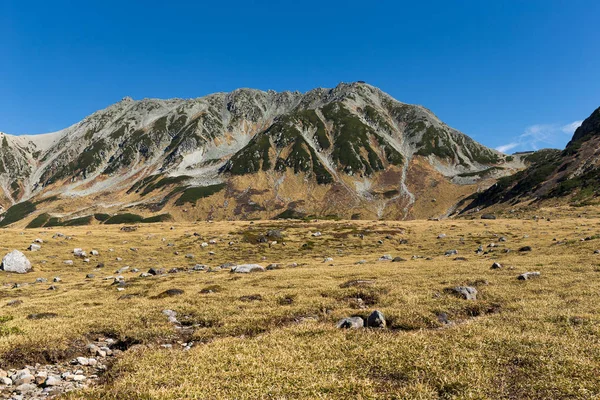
x=540 y=136
x=506 y=147
x=570 y=128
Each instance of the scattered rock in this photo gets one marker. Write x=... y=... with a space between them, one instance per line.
x=466 y=292
x=385 y=257
x=376 y=320
x=525 y=248
x=496 y=265
x=15 y=261
x=451 y=252
x=157 y=271
x=528 y=275
x=488 y=216
x=247 y=268
x=79 y=253
x=34 y=247
x=351 y=323
x=398 y=259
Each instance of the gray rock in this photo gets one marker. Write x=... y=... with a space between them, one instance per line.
x=26 y=387
x=528 y=275
x=15 y=261
x=351 y=323
x=451 y=252
x=34 y=247
x=441 y=236
x=157 y=271
x=376 y=320
x=398 y=259
x=488 y=216
x=466 y=292
x=52 y=380
x=385 y=257
x=90 y=276
x=247 y=268
x=41 y=280
x=496 y=265
x=79 y=253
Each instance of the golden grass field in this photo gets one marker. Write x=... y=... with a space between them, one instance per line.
x=535 y=339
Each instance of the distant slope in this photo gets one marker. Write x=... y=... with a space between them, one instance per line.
x=571 y=175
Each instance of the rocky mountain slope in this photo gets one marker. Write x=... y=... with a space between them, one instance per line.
x=553 y=176
x=348 y=151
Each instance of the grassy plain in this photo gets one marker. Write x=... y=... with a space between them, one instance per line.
x=272 y=334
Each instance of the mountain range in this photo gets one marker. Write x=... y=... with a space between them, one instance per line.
x=351 y=151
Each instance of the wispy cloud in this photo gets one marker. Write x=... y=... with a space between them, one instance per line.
x=539 y=136
x=507 y=147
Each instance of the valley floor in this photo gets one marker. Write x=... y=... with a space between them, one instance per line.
x=273 y=334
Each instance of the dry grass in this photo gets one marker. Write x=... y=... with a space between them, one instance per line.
x=273 y=335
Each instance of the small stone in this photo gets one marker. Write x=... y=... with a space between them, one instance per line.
x=525 y=248
x=82 y=361
x=247 y=268
x=351 y=323
x=26 y=387
x=90 y=276
x=466 y=292
x=53 y=380
x=451 y=252
x=376 y=320
x=385 y=257
x=496 y=265
x=56 y=279
x=528 y=275
x=34 y=247
x=398 y=259
x=157 y=271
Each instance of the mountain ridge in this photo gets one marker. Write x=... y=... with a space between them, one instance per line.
x=353 y=137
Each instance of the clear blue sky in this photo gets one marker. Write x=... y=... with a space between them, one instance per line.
x=507 y=73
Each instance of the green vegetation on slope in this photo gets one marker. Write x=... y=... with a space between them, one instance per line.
x=193 y=194
x=17 y=212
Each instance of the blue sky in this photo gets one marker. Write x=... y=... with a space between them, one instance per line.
x=514 y=75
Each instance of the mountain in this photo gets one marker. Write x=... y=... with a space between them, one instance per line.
x=553 y=176
x=350 y=151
